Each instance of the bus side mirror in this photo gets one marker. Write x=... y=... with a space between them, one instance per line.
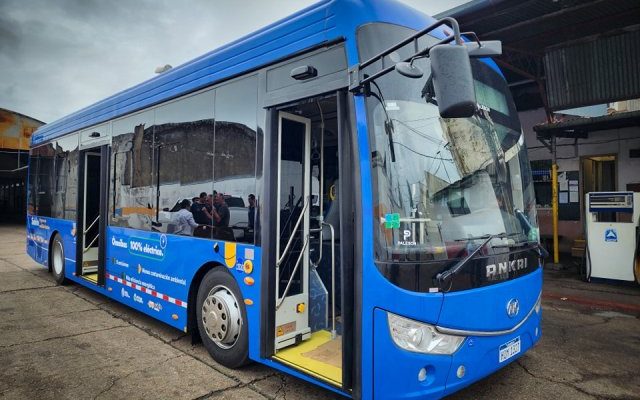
x=453 y=81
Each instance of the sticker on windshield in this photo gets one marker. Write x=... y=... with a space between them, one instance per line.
x=392 y=221
x=392 y=106
x=407 y=237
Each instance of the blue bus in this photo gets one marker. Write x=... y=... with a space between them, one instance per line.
x=343 y=195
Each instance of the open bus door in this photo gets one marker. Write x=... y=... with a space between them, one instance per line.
x=312 y=293
x=93 y=179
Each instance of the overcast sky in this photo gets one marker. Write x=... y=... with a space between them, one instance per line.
x=57 y=56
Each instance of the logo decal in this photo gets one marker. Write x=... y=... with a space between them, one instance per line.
x=501 y=270
x=513 y=308
x=611 y=235
x=154 y=305
x=406 y=239
x=392 y=221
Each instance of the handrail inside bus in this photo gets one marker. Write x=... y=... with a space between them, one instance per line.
x=92 y=242
x=286 y=249
x=293 y=273
x=92 y=224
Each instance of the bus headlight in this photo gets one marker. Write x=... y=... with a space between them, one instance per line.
x=538 y=304
x=421 y=338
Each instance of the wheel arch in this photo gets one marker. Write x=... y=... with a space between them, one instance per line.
x=192 y=323
x=50 y=246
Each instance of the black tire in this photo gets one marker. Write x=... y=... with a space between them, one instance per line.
x=57 y=260
x=218 y=282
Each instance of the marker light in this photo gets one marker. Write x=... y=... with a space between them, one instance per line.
x=421 y=338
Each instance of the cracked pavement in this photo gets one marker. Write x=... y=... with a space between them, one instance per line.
x=70 y=343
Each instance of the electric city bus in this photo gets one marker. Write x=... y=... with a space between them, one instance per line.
x=367 y=221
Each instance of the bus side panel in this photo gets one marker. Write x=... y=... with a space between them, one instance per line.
x=152 y=272
x=39 y=234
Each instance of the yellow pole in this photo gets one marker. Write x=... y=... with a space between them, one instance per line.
x=554 y=210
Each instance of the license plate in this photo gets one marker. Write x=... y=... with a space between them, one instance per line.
x=509 y=349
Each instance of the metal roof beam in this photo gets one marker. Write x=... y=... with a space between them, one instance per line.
x=535 y=21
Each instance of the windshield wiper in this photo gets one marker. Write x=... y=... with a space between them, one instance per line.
x=446 y=275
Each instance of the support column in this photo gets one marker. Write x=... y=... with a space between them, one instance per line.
x=554 y=200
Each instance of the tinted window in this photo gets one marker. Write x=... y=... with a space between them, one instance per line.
x=133 y=197
x=235 y=151
x=42 y=180
x=184 y=132
x=65 y=185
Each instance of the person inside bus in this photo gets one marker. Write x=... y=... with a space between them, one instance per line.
x=220 y=211
x=194 y=203
x=252 y=210
x=184 y=220
x=200 y=213
x=209 y=202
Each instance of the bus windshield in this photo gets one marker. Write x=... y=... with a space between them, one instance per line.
x=441 y=184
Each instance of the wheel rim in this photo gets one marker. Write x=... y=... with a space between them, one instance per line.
x=58 y=258
x=221 y=317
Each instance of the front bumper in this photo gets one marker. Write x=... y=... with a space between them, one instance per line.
x=396 y=371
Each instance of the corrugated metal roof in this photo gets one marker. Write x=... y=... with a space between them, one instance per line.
x=580 y=126
x=595 y=72
x=529 y=29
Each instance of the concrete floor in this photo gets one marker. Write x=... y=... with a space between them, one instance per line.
x=69 y=343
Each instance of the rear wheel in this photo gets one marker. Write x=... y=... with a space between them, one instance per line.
x=222 y=319
x=57 y=260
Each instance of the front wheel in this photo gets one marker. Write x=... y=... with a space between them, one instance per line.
x=57 y=260
x=222 y=319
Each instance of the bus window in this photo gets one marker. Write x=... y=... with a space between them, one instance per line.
x=183 y=142
x=235 y=155
x=132 y=167
x=42 y=180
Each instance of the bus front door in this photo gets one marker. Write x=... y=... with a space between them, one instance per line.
x=292 y=243
x=91 y=217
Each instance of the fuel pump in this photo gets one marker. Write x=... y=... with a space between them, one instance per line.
x=612 y=226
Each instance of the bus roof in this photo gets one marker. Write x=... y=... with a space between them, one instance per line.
x=323 y=22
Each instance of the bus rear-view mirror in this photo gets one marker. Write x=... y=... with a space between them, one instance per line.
x=453 y=81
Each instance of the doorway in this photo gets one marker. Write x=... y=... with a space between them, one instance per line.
x=91 y=218
x=309 y=287
x=599 y=175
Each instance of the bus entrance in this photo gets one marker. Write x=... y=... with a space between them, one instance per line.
x=292 y=242
x=91 y=221
x=308 y=292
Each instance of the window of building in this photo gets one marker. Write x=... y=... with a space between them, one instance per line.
x=541 y=172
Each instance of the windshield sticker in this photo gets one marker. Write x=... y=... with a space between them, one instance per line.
x=407 y=239
x=392 y=221
x=392 y=106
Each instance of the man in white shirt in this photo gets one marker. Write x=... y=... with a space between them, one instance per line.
x=184 y=219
